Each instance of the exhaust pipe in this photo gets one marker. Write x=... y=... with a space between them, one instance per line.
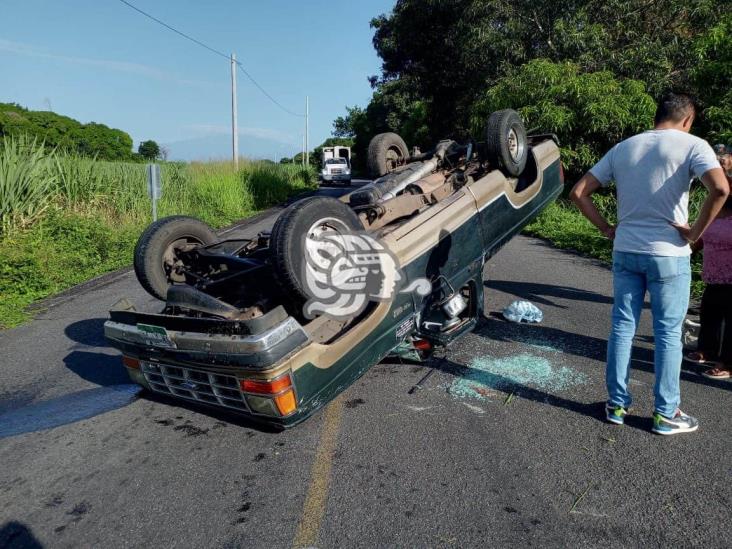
x=424 y=170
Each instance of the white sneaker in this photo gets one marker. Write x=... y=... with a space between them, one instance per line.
x=680 y=423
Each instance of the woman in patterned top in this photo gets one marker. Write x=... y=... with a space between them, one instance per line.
x=715 y=334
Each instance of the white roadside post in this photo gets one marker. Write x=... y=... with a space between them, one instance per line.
x=154 y=187
x=234 y=116
x=307 y=130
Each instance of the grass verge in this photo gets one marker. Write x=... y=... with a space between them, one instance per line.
x=66 y=219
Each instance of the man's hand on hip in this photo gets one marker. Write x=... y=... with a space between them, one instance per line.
x=684 y=231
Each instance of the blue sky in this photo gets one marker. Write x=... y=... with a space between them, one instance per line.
x=98 y=60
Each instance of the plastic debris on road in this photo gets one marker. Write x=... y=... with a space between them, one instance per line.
x=523 y=311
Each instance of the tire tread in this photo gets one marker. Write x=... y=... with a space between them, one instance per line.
x=286 y=231
x=145 y=265
x=497 y=147
x=378 y=146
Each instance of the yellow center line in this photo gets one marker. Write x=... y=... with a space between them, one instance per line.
x=308 y=530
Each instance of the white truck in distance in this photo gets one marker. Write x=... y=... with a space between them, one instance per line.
x=336 y=165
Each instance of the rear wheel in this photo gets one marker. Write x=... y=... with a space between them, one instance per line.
x=507 y=144
x=310 y=217
x=157 y=262
x=387 y=151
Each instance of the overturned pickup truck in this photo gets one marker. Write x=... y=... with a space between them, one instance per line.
x=275 y=326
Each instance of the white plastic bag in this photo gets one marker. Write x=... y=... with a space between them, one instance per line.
x=523 y=310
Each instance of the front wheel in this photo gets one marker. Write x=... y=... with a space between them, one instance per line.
x=157 y=262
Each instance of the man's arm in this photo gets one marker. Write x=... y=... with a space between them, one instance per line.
x=716 y=183
x=581 y=195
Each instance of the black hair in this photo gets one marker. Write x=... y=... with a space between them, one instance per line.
x=675 y=107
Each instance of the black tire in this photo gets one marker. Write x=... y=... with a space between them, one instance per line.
x=387 y=151
x=287 y=240
x=158 y=242
x=507 y=144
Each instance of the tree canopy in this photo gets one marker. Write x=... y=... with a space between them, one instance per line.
x=65 y=133
x=587 y=69
x=149 y=150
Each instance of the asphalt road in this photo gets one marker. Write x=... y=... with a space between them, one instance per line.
x=501 y=445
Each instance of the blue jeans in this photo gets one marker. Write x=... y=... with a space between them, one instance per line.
x=667 y=280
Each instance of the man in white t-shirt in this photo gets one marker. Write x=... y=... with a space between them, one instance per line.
x=653 y=172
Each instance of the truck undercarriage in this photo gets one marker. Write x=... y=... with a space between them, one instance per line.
x=236 y=331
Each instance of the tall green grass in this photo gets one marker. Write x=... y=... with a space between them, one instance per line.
x=65 y=218
x=27 y=179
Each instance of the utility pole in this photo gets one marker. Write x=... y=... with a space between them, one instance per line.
x=307 y=116
x=234 y=124
x=303 y=151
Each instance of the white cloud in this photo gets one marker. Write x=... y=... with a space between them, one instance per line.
x=258 y=133
x=121 y=66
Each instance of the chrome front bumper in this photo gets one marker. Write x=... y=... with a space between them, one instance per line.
x=260 y=351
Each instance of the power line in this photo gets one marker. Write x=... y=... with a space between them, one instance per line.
x=212 y=50
x=265 y=92
x=184 y=35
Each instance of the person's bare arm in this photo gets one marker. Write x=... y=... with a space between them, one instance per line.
x=718 y=187
x=697 y=246
x=581 y=195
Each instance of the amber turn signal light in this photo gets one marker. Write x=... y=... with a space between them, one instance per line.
x=269 y=387
x=286 y=403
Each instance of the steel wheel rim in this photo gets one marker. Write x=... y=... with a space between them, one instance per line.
x=171 y=262
x=325 y=225
x=394 y=158
x=515 y=146
x=318 y=250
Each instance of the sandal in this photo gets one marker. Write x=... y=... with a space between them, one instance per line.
x=717 y=372
x=697 y=357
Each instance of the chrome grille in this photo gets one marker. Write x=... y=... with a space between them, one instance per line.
x=194 y=384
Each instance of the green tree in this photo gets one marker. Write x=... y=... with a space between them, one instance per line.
x=712 y=76
x=345 y=126
x=64 y=133
x=149 y=149
x=394 y=106
x=451 y=51
x=444 y=61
